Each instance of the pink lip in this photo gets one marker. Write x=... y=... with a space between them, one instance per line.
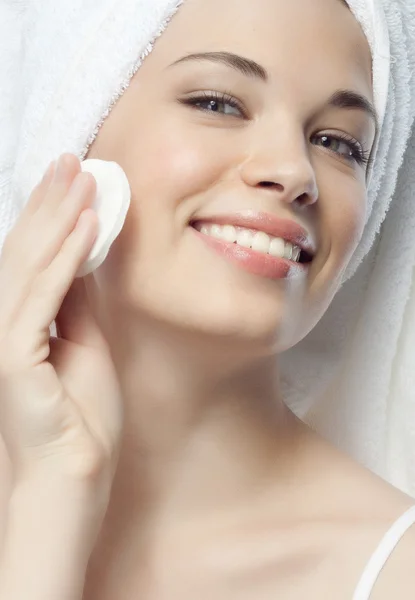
x=268 y=223
x=251 y=261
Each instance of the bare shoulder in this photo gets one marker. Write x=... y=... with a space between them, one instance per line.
x=397 y=578
x=384 y=505
x=367 y=508
x=370 y=533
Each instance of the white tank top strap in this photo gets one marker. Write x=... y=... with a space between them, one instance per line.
x=382 y=553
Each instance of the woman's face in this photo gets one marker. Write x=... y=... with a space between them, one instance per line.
x=205 y=141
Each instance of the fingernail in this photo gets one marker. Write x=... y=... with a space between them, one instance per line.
x=49 y=170
x=60 y=169
x=47 y=173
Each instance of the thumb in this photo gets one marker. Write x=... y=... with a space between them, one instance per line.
x=75 y=321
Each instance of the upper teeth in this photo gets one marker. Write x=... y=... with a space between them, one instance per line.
x=257 y=240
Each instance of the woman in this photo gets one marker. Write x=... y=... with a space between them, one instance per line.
x=209 y=486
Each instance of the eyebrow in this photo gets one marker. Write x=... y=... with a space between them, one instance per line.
x=346 y=99
x=354 y=100
x=239 y=63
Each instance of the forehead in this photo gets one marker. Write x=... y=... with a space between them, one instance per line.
x=298 y=40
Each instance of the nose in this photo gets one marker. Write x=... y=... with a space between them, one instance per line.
x=280 y=164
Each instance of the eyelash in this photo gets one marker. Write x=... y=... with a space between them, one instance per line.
x=358 y=154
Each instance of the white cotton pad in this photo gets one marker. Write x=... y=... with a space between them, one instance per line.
x=111 y=205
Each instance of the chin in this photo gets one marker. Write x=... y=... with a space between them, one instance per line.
x=226 y=313
x=210 y=300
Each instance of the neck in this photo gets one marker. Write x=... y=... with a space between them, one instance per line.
x=201 y=430
x=205 y=437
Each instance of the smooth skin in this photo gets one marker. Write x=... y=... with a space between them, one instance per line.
x=218 y=490
x=61 y=408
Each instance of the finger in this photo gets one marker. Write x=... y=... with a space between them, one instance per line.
x=30 y=221
x=75 y=321
x=40 y=242
x=46 y=195
x=68 y=168
x=38 y=194
x=30 y=330
x=32 y=205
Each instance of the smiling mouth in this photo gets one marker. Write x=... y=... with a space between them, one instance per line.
x=254 y=239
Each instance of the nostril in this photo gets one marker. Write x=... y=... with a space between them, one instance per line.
x=269 y=184
x=266 y=184
x=304 y=199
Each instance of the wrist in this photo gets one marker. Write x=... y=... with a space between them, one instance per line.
x=51 y=529
x=55 y=508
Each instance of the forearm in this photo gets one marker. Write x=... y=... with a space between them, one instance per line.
x=50 y=533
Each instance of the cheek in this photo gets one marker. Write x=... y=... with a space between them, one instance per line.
x=178 y=162
x=170 y=167
x=350 y=222
x=340 y=219
x=344 y=219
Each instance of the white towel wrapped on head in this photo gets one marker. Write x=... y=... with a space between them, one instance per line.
x=63 y=67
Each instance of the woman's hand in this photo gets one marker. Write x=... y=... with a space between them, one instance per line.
x=60 y=400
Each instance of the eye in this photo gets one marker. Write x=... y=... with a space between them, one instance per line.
x=216 y=102
x=345 y=146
